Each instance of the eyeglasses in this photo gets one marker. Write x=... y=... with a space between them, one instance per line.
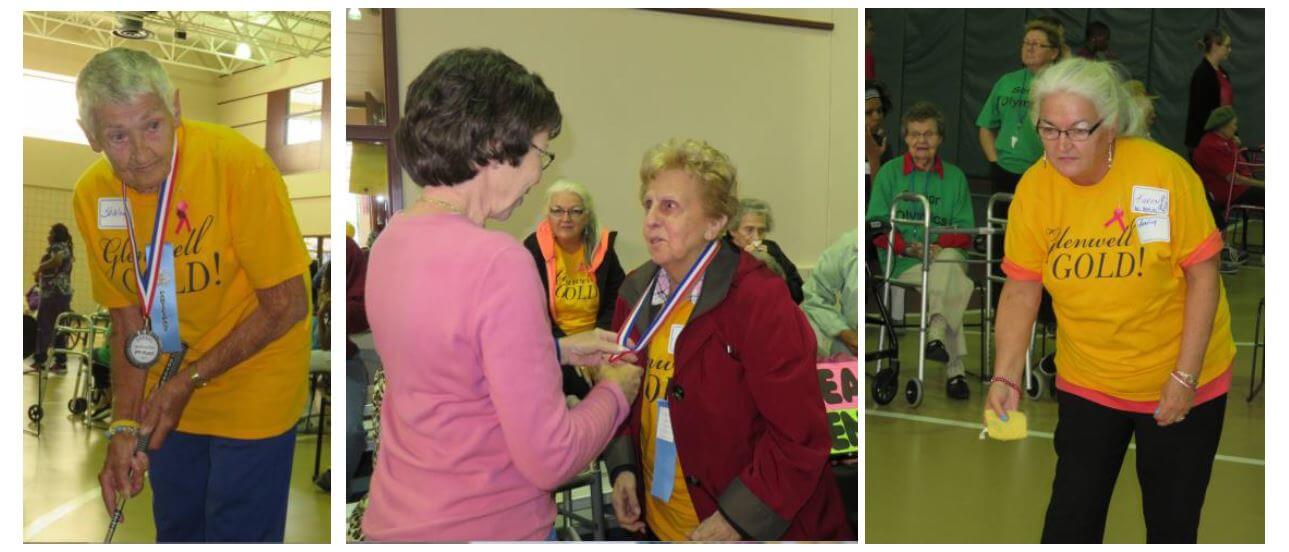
x=547 y=157
x=915 y=136
x=1053 y=134
x=575 y=212
x=1035 y=45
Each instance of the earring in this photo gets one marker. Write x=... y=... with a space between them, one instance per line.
x=1109 y=161
x=1044 y=158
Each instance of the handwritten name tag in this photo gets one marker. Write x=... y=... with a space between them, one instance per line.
x=1149 y=201
x=1152 y=229
x=111 y=213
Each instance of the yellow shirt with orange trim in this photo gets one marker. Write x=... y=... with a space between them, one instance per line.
x=577 y=298
x=233 y=232
x=1111 y=254
x=676 y=518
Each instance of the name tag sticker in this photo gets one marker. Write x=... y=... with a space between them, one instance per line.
x=111 y=213
x=1149 y=201
x=1152 y=229
x=664 y=424
x=675 y=334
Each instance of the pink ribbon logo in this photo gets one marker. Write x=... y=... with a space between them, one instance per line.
x=1118 y=217
x=182 y=211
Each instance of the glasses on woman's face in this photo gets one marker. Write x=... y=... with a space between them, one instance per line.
x=1051 y=133
x=559 y=212
x=547 y=157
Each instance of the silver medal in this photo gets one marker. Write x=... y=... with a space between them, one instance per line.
x=142 y=349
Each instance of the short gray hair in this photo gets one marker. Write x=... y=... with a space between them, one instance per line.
x=1099 y=82
x=119 y=75
x=750 y=205
x=591 y=235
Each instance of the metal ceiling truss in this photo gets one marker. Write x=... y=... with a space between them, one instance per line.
x=211 y=36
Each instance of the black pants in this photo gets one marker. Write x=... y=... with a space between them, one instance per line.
x=1173 y=465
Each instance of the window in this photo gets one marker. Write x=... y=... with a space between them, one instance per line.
x=50 y=110
x=304 y=114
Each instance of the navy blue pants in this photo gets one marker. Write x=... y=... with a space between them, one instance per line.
x=213 y=489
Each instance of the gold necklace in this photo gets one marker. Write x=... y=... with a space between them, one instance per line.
x=443 y=204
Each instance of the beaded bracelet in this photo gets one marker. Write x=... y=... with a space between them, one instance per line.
x=123 y=426
x=1009 y=383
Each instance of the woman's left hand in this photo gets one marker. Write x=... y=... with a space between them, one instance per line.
x=715 y=528
x=1175 y=401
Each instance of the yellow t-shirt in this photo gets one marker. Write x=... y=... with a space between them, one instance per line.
x=233 y=231
x=1111 y=255
x=675 y=519
x=577 y=299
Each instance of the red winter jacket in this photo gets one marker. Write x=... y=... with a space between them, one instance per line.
x=748 y=418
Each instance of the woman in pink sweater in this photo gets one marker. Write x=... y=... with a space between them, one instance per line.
x=475 y=433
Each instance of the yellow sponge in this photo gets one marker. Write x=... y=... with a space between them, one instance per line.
x=1014 y=428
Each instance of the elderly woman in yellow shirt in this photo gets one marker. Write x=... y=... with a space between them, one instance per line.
x=579 y=269
x=1116 y=227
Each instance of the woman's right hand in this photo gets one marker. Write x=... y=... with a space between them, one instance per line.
x=1002 y=399
x=589 y=348
x=626 y=505
x=626 y=376
x=122 y=471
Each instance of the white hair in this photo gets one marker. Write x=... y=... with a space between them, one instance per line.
x=749 y=205
x=119 y=75
x=1101 y=83
x=590 y=234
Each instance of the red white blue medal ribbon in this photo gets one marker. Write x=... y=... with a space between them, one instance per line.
x=147 y=283
x=678 y=294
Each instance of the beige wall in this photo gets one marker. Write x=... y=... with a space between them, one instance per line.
x=782 y=102
x=50 y=168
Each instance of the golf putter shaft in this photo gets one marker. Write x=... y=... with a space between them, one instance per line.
x=141 y=440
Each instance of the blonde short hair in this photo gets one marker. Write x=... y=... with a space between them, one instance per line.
x=713 y=170
x=119 y=75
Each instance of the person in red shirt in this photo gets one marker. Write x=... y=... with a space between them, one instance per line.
x=1226 y=182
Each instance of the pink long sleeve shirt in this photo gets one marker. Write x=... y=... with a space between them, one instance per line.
x=474 y=431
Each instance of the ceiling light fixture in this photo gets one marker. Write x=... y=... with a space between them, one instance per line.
x=243 y=51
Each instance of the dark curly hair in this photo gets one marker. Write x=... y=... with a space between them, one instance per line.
x=59 y=234
x=469 y=107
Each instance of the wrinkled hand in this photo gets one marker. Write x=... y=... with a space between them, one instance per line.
x=756 y=246
x=851 y=339
x=164 y=408
x=1002 y=399
x=715 y=528
x=625 y=375
x=626 y=506
x=591 y=348
x=914 y=249
x=122 y=473
x=1175 y=400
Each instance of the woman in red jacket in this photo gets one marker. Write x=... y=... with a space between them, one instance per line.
x=728 y=438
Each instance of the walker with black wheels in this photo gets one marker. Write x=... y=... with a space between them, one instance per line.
x=886 y=384
x=77 y=333
x=913 y=389
x=1034 y=383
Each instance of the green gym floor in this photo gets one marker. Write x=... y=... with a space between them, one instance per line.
x=61 y=497
x=930 y=479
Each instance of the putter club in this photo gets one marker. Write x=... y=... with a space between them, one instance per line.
x=141 y=440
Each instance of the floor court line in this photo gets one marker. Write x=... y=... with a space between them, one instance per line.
x=1040 y=434
x=40 y=523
